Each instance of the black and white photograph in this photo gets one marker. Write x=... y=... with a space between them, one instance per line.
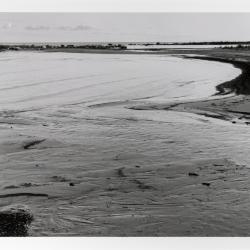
x=124 y=124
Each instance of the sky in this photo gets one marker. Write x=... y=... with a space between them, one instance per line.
x=123 y=27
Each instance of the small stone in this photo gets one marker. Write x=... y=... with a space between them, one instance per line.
x=71 y=184
x=206 y=184
x=192 y=174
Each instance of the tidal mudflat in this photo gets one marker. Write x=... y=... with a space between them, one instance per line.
x=91 y=144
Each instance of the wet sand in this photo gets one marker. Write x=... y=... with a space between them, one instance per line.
x=122 y=175
x=235 y=106
x=120 y=182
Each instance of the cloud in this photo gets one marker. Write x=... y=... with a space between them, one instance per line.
x=76 y=28
x=60 y=28
x=7 y=26
x=37 y=27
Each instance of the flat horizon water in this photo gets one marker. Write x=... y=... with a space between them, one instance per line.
x=40 y=79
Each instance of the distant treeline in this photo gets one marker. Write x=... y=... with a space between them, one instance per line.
x=213 y=43
x=193 y=43
x=239 y=46
x=62 y=46
x=120 y=46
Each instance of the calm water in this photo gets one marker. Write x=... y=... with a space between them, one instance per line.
x=30 y=80
x=154 y=46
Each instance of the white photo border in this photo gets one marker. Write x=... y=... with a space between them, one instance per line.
x=115 y=243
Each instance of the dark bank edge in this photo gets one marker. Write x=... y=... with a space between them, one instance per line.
x=239 y=85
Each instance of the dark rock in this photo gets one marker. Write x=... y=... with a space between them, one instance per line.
x=15 y=220
x=71 y=184
x=59 y=178
x=28 y=145
x=27 y=185
x=206 y=184
x=192 y=174
x=10 y=187
x=121 y=173
x=111 y=188
x=142 y=185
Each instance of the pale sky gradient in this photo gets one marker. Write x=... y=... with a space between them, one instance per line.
x=123 y=27
x=125 y=5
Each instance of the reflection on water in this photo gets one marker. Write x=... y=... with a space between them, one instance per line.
x=40 y=79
